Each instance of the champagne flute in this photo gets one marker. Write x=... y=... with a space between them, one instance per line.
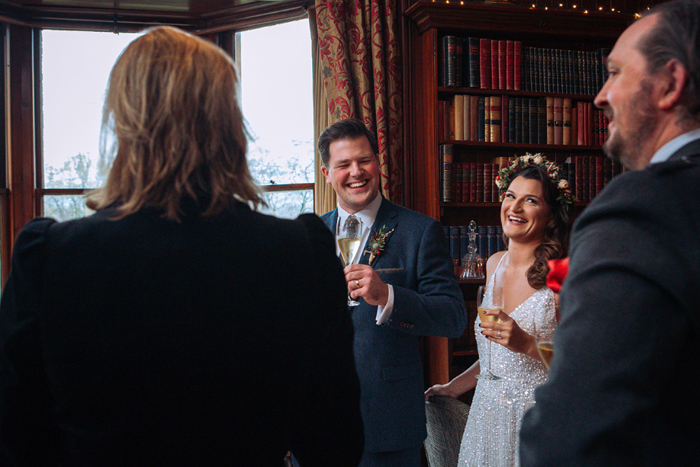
x=485 y=304
x=349 y=236
x=545 y=346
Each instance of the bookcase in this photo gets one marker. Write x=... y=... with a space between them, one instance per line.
x=542 y=73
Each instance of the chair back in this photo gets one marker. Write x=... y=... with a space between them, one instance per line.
x=446 y=419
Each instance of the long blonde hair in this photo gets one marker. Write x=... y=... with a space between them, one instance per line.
x=172 y=105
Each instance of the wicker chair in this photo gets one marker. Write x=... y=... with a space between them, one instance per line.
x=446 y=418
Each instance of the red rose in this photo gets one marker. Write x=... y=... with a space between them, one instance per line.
x=558 y=269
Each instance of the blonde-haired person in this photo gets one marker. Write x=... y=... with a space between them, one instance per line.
x=176 y=325
x=535 y=219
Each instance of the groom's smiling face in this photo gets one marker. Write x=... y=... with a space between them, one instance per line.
x=353 y=170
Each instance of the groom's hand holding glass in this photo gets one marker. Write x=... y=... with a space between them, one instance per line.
x=363 y=281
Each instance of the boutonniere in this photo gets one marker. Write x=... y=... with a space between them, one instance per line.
x=558 y=269
x=377 y=242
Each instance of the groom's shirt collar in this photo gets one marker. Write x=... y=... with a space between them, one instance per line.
x=367 y=215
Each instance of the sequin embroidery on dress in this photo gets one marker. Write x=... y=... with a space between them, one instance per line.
x=491 y=437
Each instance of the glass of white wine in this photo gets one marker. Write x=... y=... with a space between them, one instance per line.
x=545 y=346
x=348 y=234
x=485 y=304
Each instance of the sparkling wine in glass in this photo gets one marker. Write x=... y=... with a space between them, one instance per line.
x=485 y=304
x=545 y=346
x=349 y=236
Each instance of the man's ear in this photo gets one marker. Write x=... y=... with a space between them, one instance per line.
x=326 y=173
x=676 y=80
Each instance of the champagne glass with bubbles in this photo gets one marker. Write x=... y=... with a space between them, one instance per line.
x=486 y=303
x=349 y=236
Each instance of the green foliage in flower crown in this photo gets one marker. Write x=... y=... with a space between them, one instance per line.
x=506 y=175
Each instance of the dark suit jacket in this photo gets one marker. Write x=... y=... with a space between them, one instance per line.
x=215 y=341
x=623 y=390
x=427 y=302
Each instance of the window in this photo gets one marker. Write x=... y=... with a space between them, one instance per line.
x=75 y=67
x=277 y=101
x=276 y=97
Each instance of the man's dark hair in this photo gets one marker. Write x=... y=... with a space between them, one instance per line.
x=676 y=35
x=350 y=128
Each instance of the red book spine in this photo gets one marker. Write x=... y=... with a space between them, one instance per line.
x=574 y=125
x=607 y=170
x=494 y=188
x=510 y=64
x=599 y=174
x=494 y=64
x=479 y=182
x=488 y=174
x=616 y=168
x=472 y=182
x=505 y=122
x=502 y=64
x=517 y=59
x=603 y=127
x=581 y=123
x=457 y=181
x=606 y=121
x=465 y=182
x=589 y=133
x=485 y=63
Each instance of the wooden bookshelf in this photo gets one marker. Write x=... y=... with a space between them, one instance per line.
x=429 y=23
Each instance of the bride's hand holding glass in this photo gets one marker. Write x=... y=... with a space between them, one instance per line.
x=509 y=334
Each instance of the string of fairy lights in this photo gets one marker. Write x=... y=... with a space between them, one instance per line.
x=584 y=6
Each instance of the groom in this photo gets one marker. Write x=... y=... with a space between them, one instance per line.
x=404 y=281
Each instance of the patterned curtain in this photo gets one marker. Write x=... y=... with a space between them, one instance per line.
x=325 y=198
x=361 y=67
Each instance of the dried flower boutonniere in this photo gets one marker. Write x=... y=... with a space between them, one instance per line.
x=377 y=242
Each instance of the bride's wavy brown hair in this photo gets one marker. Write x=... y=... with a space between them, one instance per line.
x=555 y=240
x=178 y=130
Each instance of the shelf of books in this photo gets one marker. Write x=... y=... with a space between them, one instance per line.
x=488 y=83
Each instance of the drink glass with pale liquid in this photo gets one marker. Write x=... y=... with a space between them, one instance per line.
x=484 y=306
x=349 y=236
x=545 y=347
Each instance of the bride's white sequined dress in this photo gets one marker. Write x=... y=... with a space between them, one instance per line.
x=491 y=437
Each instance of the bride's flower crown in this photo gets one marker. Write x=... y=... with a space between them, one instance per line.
x=506 y=175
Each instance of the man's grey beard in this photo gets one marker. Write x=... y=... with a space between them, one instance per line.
x=628 y=148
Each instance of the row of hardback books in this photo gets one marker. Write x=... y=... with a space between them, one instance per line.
x=508 y=119
x=507 y=64
x=474 y=182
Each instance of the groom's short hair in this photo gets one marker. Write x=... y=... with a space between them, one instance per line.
x=349 y=128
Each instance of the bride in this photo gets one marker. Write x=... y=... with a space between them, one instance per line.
x=535 y=220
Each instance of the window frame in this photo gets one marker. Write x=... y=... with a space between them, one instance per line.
x=21 y=170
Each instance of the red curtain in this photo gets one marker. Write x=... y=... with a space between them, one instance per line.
x=361 y=65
